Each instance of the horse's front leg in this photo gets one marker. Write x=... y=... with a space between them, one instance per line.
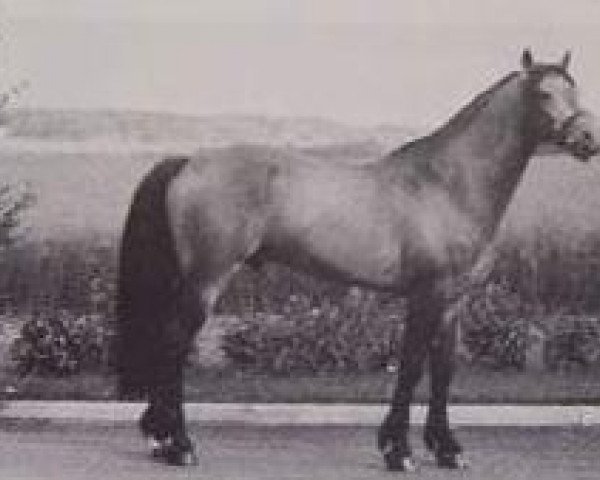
x=393 y=434
x=438 y=436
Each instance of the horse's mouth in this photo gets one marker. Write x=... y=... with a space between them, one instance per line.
x=584 y=153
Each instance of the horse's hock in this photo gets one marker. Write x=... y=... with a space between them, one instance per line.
x=208 y=351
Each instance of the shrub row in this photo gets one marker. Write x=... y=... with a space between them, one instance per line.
x=64 y=296
x=360 y=333
x=499 y=329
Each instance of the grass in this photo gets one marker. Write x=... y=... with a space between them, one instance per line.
x=471 y=385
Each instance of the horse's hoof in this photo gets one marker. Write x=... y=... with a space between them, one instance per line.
x=396 y=461
x=454 y=461
x=158 y=448
x=180 y=458
x=429 y=456
x=155 y=447
x=165 y=450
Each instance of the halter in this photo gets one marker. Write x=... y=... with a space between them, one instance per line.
x=560 y=134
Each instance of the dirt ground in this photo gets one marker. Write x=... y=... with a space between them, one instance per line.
x=41 y=450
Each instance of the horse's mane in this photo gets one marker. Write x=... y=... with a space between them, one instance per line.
x=460 y=120
x=472 y=109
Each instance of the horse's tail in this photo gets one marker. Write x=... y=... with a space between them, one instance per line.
x=148 y=278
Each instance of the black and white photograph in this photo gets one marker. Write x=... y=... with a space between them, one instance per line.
x=299 y=239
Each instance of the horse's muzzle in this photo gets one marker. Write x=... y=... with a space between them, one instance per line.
x=581 y=136
x=584 y=152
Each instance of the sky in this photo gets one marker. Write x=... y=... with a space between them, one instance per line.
x=358 y=61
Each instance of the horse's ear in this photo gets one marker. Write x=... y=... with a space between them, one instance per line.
x=526 y=59
x=566 y=59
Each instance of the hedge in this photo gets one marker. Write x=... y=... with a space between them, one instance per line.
x=63 y=295
x=360 y=333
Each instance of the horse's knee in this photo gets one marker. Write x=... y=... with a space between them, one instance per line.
x=445 y=336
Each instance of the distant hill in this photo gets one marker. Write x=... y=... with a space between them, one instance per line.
x=208 y=130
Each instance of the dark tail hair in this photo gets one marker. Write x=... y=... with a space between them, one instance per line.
x=148 y=279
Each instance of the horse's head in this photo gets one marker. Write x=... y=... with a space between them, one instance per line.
x=556 y=114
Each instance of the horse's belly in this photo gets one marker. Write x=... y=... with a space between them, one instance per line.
x=356 y=261
x=380 y=268
x=366 y=252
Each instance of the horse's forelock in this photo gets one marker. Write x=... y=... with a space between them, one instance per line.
x=540 y=71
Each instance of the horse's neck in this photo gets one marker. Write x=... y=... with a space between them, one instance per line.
x=478 y=158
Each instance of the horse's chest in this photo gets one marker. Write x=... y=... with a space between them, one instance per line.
x=443 y=236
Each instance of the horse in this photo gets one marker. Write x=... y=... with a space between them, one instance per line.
x=407 y=223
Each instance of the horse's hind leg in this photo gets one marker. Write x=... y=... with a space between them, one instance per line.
x=165 y=413
x=153 y=426
x=163 y=422
x=171 y=440
x=393 y=434
x=438 y=436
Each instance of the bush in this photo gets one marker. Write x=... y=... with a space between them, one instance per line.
x=495 y=323
x=63 y=292
x=560 y=272
x=359 y=334
x=61 y=344
x=77 y=275
x=14 y=201
x=572 y=341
